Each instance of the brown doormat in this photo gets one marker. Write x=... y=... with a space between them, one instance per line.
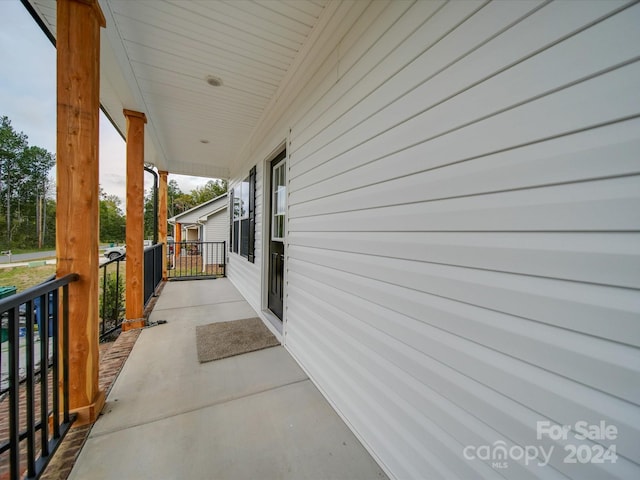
x=226 y=339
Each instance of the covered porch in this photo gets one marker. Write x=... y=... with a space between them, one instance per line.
x=437 y=199
x=255 y=415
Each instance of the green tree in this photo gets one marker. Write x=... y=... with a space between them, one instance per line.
x=49 y=213
x=173 y=192
x=112 y=220
x=148 y=214
x=177 y=200
x=209 y=191
x=24 y=189
x=36 y=185
x=12 y=144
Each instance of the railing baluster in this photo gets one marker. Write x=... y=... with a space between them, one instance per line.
x=55 y=355
x=104 y=299
x=109 y=324
x=30 y=387
x=65 y=352
x=198 y=260
x=224 y=259
x=44 y=298
x=159 y=258
x=14 y=393
x=117 y=319
x=152 y=275
x=155 y=267
x=44 y=379
x=7 y=339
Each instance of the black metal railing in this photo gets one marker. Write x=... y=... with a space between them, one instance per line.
x=111 y=304
x=38 y=410
x=193 y=259
x=152 y=270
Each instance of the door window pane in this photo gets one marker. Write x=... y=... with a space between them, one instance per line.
x=279 y=201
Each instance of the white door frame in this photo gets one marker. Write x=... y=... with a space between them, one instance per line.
x=279 y=325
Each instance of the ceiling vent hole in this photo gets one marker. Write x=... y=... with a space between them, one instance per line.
x=213 y=80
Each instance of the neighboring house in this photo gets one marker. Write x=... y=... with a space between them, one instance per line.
x=207 y=222
x=434 y=205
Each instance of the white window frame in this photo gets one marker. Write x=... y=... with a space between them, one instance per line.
x=279 y=204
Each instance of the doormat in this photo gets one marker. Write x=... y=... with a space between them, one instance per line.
x=226 y=339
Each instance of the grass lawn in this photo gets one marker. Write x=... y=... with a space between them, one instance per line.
x=25 y=277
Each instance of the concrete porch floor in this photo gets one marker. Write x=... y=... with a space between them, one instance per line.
x=252 y=416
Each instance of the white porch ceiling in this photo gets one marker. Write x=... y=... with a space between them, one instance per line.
x=156 y=55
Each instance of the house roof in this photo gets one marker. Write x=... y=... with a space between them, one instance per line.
x=204 y=217
x=160 y=58
x=199 y=211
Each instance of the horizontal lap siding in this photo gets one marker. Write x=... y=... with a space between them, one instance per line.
x=463 y=248
x=217 y=227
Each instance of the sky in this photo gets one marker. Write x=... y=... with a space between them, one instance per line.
x=28 y=98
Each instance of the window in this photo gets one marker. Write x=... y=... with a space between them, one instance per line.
x=243 y=217
x=279 y=202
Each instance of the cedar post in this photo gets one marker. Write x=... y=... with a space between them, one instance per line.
x=134 y=293
x=162 y=220
x=178 y=239
x=77 y=218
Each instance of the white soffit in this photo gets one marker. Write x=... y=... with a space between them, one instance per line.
x=157 y=54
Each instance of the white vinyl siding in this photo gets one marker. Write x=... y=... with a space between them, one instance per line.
x=216 y=228
x=463 y=236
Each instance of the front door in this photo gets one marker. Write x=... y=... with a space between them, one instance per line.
x=277 y=227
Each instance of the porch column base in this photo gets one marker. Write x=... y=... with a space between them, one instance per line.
x=133 y=324
x=89 y=413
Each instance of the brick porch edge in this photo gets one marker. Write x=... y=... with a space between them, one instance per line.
x=112 y=358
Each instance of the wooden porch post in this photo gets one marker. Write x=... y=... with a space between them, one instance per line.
x=178 y=239
x=134 y=294
x=162 y=220
x=77 y=228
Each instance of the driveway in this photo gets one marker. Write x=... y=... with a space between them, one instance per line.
x=27 y=257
